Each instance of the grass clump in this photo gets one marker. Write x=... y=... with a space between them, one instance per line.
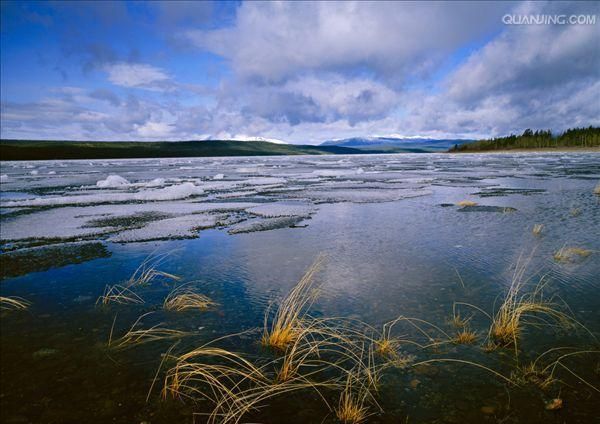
x=13 y=303
x=289 y=320
x=385 y=345
x=352 y=407
x=571 y=254
x=597 y=189
x=136 y=336
x=519 y=305
x=146 y=273
x=531 y=374
x=118 y=294
x=466 y=203
x=184 y=298
x=465 y=336
x=537 y=229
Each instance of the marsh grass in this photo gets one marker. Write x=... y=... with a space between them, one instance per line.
x=575 y=212
x=342 y=361
x=387 y=346
x=543 y=371
x=136 y=335
x=571 y=254
x=530 y=374
x=521 y=308
x=13 y=303
x=232 y=383
x=118 y=294
x=183 y=298
x=144 y=274
x=524 y=304
x=148 y=271
x=466 y=203
x=457 y=320
x=597 y=189
x=310 y=354
x=465 y=336
x=537 y=229
x=352 y=406
x=288 y=321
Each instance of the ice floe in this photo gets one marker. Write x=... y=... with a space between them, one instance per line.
x=112 y=181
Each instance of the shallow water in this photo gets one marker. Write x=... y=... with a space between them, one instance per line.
x=396 y=244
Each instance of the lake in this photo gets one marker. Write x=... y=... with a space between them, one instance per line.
x=396 y=240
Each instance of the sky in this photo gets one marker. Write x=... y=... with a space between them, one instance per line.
x=302 y=72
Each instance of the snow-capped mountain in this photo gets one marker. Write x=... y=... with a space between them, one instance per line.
x=396 y=142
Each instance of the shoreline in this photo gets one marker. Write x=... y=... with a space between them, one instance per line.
x=536 y=150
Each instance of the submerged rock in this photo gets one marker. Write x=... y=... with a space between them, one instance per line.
x=482 y=208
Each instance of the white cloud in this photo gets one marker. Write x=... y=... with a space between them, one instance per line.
x=306 y=72
x=274 y=40
x=137 y=75
x=152 y=129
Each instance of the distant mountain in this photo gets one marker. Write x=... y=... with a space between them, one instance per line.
x=44 y=150
x=397 y=144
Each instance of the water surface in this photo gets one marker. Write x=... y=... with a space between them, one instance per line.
x=245 y=230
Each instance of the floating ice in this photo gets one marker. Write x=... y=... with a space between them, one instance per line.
x=174 y=192
x=67 y=223
x=265 y=224
x=279 y=209
x=218 y=177
x=112 y=181
x=171 y=228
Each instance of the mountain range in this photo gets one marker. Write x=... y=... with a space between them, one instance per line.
x=397 y=144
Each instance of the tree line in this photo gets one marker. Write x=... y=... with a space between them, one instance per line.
x=539 y=139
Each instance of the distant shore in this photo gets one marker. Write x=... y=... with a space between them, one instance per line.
x=536 y=150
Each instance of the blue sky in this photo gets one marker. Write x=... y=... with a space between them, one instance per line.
x=298 y=71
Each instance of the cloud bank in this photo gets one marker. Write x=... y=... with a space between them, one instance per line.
x=306 y=72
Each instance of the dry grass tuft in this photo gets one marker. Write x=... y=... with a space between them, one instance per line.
x=542 y=371
x=385 y=345
x=288 y=322
x=575 y=212
x=351 y=408
x=118 y=294
x=457 y=320
x=142 y=276
x=136 y=336
x=184 y=298
x=356 y=394
x=465 y=336
x=597 y=189
x=519 y=305
x=531 y=374
x=537 y=229
x=571 y=254
x=13 y=303
x=466 y=203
